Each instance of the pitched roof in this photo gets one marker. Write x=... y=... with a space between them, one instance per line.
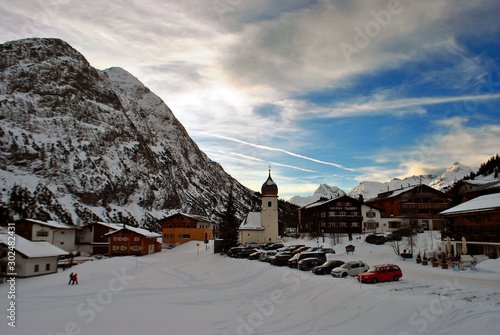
x=32 y=249
x=196 y=217
x=140 y=231
x=253 y=221
x=50 y=223
x=480 y=204
x=114 y=226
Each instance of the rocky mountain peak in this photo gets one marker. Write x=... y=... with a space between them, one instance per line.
x=79 y=144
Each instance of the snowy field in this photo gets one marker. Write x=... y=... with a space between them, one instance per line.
x=182 y=292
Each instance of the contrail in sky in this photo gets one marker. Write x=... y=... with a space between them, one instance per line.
x=264 y=147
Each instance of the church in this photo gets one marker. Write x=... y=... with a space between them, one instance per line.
x=262 y=227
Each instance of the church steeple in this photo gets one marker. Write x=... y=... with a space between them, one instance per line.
x=269 y=187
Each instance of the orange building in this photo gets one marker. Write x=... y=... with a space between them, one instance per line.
x=130 y=240
x=181 y=228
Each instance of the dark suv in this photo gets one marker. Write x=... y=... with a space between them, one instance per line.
x=375 y=239
x=292 y=262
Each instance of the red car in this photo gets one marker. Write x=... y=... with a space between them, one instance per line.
x=385 y=272
x=299 y=250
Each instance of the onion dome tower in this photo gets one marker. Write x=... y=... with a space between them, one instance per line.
x=269 y=187
x=269 y=207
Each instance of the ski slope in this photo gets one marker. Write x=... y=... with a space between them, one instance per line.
x=189 y=290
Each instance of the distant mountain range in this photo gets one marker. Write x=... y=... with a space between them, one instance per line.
x=370 y=189
x=323 y=191
x=79 y=144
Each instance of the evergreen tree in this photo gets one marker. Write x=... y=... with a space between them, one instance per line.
x=229 y=224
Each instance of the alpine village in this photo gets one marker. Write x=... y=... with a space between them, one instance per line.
x=94 y=165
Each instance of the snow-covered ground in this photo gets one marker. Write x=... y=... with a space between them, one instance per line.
x=191 y=291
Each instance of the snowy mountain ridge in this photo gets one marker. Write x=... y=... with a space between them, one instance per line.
x=370 y=189
x=79 y=144
x=323 y=191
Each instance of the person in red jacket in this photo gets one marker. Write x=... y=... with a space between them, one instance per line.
x=75 y=279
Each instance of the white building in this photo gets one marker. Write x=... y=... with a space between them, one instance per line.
x=60 y=235
x=32 y=258
x=263 y=226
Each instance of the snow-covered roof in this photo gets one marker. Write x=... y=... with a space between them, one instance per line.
x=140 y=231
x=114 y=226
x=485 y=186
x=321 y=202
x=198 y=218
x=253 y=221
x=32 y=249
x=480 y=204
x=52 y=224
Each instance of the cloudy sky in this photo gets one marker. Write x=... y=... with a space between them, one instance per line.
x=332 y=92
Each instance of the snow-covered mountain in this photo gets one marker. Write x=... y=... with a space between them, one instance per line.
x=455 y=173
x=323 y=191
x=78 y=144
x=370 y=189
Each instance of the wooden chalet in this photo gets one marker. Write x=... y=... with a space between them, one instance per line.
x=130 y=240
x=180 y=228
x=329 y=216
x=478 y=221
x=421 y=204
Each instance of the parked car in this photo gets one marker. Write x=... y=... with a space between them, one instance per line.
x=327 y=267
x=319 y=255
x=301 y=249
x=393 y=237
x=256 y=255
x=375 y=239
x=245 y=253
x=385 y=272
x=351 y=268
x=233 y=252
x=280 y=259
x=266 y=255
x=272 y=246
x=307 y=264
x=253 y=245
x=327 y=250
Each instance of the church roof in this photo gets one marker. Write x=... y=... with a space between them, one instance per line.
x=269 y=187
x=253 y=221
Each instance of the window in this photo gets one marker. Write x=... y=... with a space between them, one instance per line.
x=123 y=247
x=136 y=239
x=61 y=243
x=42 y=233
x=119 y=238
x=184 y=236
x=115 y=247
x=269 y=204
x=135 y=248
x=394 y=224
x=125 y=238
x=114 y=238
x=47 y=267
x=36 y=268
x=370 y=214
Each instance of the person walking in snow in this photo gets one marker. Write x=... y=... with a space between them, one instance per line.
x=70 y=278
x=75 y=279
